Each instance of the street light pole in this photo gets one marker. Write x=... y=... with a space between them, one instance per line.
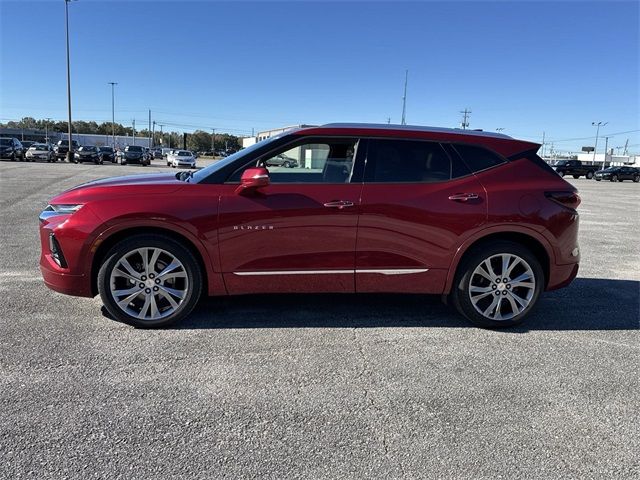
x=66 y=19
x=213 y=139
x=595 y=147
x=113 y=114
x=606 y=147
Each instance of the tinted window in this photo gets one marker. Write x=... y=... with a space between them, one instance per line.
x=133 y=149
x=407 y=161
x=6 y=141
x=478 y=158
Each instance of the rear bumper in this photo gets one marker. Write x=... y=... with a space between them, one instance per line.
x=562 y=275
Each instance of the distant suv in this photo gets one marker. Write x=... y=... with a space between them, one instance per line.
x=475 y=217
x=107 y=154
x=133 y=154
x=62 y=148
x=575 y=168
x=11 y=148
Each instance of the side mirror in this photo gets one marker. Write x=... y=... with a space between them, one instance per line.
x=252 y=179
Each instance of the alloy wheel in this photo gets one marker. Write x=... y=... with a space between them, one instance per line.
x=149 y=283
x=502 y=286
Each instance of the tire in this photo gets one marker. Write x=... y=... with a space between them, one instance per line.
x=521 y=260
x=636 y=178
x=589 y=175
x=576 y=176
x=614 y=178
x=286 y=165
x=185 y=287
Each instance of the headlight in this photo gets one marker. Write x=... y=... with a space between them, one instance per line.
x=63 y=209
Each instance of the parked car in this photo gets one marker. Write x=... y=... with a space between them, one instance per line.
x=107 y=154
x=26 y=144
x=619 y=174
x=133 y=154
x=157 y=153
x=87 y=153
x=434 y=211
x=41 y=151
x=62 y=148
x=282 y=161
x=575 y=168
x=181 y=158
x=11 y=148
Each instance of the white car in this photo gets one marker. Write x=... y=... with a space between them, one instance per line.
x=41 y=151
x=181 y=158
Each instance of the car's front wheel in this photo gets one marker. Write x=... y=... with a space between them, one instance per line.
x=614 y=178
x=636 y=178
x=149 y=281
x=498 y=285
x=576 y=176
x=589 y=175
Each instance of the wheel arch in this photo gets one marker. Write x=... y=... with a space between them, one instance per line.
x=107 y=243
x=531 y=240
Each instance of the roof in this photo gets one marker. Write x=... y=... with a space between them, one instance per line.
x=417 y=128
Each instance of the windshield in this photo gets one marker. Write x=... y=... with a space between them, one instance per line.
x=87 y=149
x=133 y=149
x=184 y=154
x=5 y=141
x=562 y=162
x=205 y=172
x=106 y=149
x=39 y=146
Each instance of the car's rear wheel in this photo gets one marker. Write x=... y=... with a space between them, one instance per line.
x=576 y=176
x=498 y=285
x=149 y=281
x=636 y=178
x=589 y=175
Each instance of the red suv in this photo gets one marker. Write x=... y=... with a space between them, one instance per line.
x=475 y=217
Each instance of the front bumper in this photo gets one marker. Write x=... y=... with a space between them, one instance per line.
x=73 y=235
x=6 y=154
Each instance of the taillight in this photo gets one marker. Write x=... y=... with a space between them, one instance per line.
x=566 y=199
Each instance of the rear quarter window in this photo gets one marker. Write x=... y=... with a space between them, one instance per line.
x=478 y=158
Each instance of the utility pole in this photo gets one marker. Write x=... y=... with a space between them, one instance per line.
x=113 y=113
x=465 y=119
x=161 y=135
x=213 y=141
x=543 y=144
x=149 y=131
x=134 y=131
x=46 y=130
x=404 y=98
x=153 y=135
x=595 y=148
x=606 y=147
x=66 y=19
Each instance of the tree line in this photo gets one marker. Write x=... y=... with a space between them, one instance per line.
x=198 y=140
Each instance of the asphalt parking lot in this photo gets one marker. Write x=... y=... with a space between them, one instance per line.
x=319 y=386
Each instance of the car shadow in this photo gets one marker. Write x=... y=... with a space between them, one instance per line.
x=587 y=304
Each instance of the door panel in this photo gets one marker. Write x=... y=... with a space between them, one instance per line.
x=412 y=227
x=284 y=239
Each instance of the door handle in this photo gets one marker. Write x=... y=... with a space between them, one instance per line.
x=339 y=204
x=463 y=197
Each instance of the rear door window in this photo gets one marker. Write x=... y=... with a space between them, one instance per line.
x=409 y=161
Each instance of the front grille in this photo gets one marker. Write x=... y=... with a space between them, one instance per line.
x=56 y=251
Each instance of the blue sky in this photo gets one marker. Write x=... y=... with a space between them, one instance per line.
x=527 y=67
